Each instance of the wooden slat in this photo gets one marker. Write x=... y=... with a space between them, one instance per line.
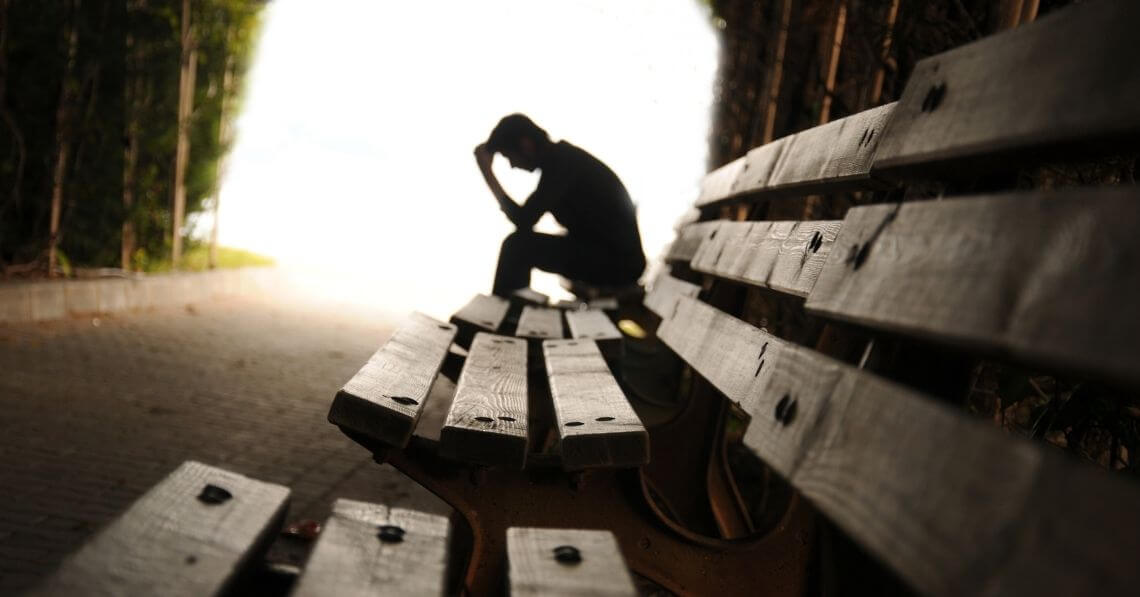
x=662 y=298
x=596 y=424
x=690 y=216
x=838 y=153
x=802 y=256
x=540 y=322
x=483 y=311
x=535 y=571
x=785 y=256
x=717 y=185
x=487 y=423
x=953 y=505
x=385 y=398
x=758 y=166
x=605 y=303
x=593 y=324
x=170 y=542
x=530 y=296
x=1067 y=78
x=688 y=240
x=832 y=155
x=1051 y=277
x=350 y=559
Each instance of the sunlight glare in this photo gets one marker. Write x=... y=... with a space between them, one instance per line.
x=353 y=154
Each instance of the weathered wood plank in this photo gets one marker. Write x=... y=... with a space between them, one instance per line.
x=540 y=322
x=487 y=423
x=688 y=240
x=758 y=166
x=1047 y=276
x=592 y=324
x=592 y=566
x=874 y=457
x=190 y=534
x=690 y=216
x=529 y=296
x=662 y=298
x=717 y=185
x=482 y=313
x=784 y=256
x=831 y=155
x=605 y=303
x=351 y=558
x=384 y=399
x=1001 y=95
x=596 y=424
x=838 y=153
x=802 y=256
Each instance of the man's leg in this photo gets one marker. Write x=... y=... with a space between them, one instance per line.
x=522 y=251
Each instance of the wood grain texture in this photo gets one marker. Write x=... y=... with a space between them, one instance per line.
x=534 y=571
x=953 y=505
x=596 y=424
x=1046 y=276
x=833 y=154
x=350 y=559
x=784 y=256
x=802 y=256
x=662 y=297
x=540 y=322
x=1003 y=94
x=758 y=166
x=171 y=543
x=483 y=311
x=718 y=184
x=487 y=423
x=385 y=398
x=688 y=240
x=592 y=324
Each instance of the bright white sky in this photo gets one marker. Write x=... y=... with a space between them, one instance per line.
x=353 y=155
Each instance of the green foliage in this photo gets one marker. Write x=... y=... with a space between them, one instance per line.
x=124 y=88
x=196 y=259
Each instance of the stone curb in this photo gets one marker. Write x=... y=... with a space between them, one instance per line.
x=57 y=299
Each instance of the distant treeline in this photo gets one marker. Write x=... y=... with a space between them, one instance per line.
x=90 y=97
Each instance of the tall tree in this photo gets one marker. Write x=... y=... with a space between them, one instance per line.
x=185 y=109
x=63 y=133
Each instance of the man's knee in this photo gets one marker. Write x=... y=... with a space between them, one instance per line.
x=517 y=241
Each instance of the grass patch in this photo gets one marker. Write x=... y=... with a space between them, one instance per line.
x=197 y=259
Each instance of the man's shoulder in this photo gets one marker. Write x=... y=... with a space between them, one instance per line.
x=572 y=157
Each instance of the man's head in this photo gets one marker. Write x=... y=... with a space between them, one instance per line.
x=520 y=140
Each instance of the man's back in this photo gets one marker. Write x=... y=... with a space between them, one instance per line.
x=589 y=200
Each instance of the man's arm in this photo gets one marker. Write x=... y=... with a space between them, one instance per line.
x=483 y=158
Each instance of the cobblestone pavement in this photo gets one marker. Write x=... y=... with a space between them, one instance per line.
x=94 y=412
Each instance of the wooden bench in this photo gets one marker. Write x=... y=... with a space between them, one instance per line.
x=205 y=530
x=832 y=345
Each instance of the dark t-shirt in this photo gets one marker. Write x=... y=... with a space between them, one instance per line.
x=586 y=198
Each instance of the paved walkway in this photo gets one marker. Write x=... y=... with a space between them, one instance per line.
x=95 y=411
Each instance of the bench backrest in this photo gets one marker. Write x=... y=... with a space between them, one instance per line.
x=1045 y=278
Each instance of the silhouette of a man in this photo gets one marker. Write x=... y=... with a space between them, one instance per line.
x=602 y=245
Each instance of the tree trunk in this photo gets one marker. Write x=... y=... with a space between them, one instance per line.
x=884 y=55
x=223 y=138
x=13 y=197
x=773 y=96
x=833 y=61
x=182 y=153
x=62 y=135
